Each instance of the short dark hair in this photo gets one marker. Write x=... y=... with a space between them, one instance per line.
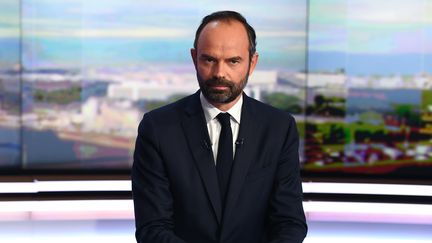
x=226 y=16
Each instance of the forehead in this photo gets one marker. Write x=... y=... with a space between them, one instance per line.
x=225 y=35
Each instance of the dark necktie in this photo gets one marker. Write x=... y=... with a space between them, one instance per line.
x=225 y=154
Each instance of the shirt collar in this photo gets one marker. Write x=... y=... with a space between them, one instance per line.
x=210 y=111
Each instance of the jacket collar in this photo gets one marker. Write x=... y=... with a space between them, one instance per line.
x=195 y=130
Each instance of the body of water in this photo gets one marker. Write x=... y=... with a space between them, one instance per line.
x=44 y=149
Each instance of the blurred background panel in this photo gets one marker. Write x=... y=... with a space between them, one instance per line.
x=91 y=71
x=79 y=75
x=10 y=96
x=369 y=106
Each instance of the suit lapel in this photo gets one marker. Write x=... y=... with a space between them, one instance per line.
x=243 y=156
x=195 y=130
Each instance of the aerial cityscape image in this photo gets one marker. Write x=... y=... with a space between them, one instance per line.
x=369 y=99
x=10 y=146
x=85 y=73
x=76 y=77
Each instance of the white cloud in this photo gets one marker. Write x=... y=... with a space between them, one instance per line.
x=390 y=12
x=9 y=33
x=115 y=33
x=298 y=34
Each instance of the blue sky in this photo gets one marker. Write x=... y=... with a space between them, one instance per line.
x=9 y=19
x=371 y=27
x=368 y=37
x=361 y=28
x=130 y=18
x=73 y=24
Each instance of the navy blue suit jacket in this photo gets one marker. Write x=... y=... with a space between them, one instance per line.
x=174 y=181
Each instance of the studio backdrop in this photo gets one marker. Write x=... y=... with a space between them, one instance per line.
x=76 y=77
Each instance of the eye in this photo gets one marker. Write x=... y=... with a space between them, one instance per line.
x=234 y=61
x=209 y=59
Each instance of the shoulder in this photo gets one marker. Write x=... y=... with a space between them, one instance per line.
x=161 y=120
x=277 y=125
x=170 y=113
x=266 y=113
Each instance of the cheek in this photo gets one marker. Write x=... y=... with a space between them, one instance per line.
x=241 y=73
x=203 y=70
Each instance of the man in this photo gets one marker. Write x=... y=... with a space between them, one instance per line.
x=201 y=177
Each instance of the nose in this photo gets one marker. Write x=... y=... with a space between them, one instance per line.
x=219 y=70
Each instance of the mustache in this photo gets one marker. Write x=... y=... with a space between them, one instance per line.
x=218 y=82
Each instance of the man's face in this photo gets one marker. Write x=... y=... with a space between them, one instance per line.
x=222 y=61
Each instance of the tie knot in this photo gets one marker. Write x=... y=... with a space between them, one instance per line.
x=224 y=119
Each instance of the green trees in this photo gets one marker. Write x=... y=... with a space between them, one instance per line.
x=63 y=96
x=284 y=102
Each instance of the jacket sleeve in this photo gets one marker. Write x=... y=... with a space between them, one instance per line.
x=153 y=202
x=286 y=216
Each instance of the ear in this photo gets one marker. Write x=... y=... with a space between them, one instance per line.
x=253 y=62
x=194 y=56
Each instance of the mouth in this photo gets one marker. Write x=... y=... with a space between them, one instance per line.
x=219 y=87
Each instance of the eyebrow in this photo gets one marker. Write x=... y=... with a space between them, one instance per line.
x=206 y=56
x=236 y=58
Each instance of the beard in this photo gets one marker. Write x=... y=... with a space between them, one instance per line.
x=221 y=96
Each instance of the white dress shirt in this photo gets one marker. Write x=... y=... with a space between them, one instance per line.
x=213 y=125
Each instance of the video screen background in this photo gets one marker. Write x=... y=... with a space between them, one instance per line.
x=77 y=76
x=90 y=70
x=10 y=100
x=369 y=80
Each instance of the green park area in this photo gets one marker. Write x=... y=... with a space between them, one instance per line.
x=61 y=97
